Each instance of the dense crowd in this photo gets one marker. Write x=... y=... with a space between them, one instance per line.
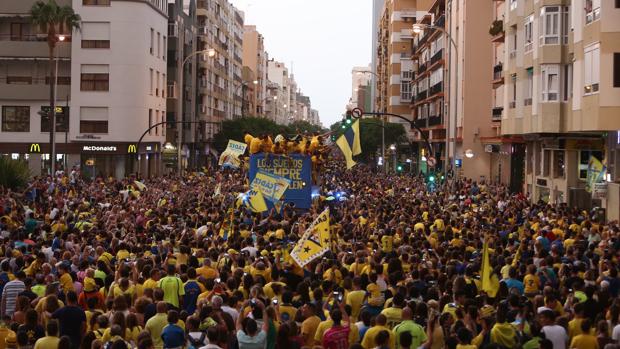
x=112 y=264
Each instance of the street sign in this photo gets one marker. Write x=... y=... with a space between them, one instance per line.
x=599 y=191
x=431 y=161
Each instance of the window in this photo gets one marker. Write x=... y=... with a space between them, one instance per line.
x=157 y=84
x=158 y=43
x=151 y=78
x=405 y=91
x=95 y=34
x=616 y=67
x=163 y=85
x=513 y=4
x=593 y=10
x=591 y=66
x=163 y=52
x=150 y=120
x=93 y=120
x=550 y=83
x=152 y=41
x=163 y=126
x=156 y=118
x=95 y=77
x=558 y=164
x=529 y=26
x=96 y=2
x=62 y=119
x=566 y=25
x=567 y=84
x=513 y=86
x=529 y=87
x=584 y=160
x=546 y=158
x=15 y=119
x=550 y=25
x=17 y=31
x=513 y=41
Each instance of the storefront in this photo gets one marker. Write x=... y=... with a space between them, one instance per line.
x=94 y=158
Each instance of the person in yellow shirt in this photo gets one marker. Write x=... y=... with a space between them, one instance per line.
x=247 y=138
x=465 y=337
x=369 y=340
x=585 y=340
x=66 y=282
x=394 y=314
x=50 y=341
x=332 y=273
x=310 y=324
x=151 y=283
x=256 y=144
x=574 y=325
x=355 y=298
x=531 y=281
x=375 y=297
x=261 y=267
x=207 y=271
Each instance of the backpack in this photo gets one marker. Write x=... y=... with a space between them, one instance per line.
x=196 y=343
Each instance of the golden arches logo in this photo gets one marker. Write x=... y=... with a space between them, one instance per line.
x=132 y=148
x=35 y=148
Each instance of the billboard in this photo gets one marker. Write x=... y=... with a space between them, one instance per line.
x=295 y=167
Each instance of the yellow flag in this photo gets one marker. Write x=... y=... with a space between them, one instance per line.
x=314 y=242
x=487 y=285
x=255 y=201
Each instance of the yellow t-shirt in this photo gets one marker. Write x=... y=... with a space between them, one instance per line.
x=394 y=316
x=46 y=342
x=308 y=329
x=207 y=272
x=369 y=338
x=356 y=299
x=150 y=283
x=66 y=282
x=375 y=299
x=584 y=341
x=531 y=283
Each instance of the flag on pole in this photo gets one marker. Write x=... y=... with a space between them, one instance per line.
x=596 y=173
x=227 y=228
x=349 y=143
x=314 y=242
x=255 y=201
x=485 y=270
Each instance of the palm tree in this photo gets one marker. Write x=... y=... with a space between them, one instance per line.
x=54 y=21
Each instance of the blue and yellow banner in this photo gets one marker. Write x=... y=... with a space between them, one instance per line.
x=296 y=168
x=231 y=155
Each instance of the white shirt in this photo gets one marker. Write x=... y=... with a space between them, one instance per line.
x=232 y=311
x=557 y=335
x=615 y=335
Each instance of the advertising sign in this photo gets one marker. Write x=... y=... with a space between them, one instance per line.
x=296 y=168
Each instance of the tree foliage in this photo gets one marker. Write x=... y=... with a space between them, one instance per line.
x=233 y=129
x=370 y=135
x=14 y=174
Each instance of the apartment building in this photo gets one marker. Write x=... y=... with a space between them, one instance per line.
x=220 y=27
x=450 y=87
x=255 y=58
x=279 y=89
x=111 y=81
x=360 y=77
x=377 y=10
x=561 y=74
x=394 y=61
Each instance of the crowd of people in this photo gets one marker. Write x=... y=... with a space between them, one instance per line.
x=115 y=265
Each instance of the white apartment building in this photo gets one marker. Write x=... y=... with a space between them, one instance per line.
x=111 y=77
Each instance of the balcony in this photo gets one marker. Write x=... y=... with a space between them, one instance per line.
x=436 y=57
x=435 y=120
x=435 y=89
x=498 y=75
x=496 y=114
x=497 y=31
x=421 y=96
x=439 y=22
x=32 y=48
x=421 y=68
x=28 y=88
x=421 y=122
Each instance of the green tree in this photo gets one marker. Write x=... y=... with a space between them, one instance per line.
x=53 y=20
x=370 y=136
x=301 y=127
x=14 y=174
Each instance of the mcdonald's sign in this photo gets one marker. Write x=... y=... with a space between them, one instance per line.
x=35 y=148
x=132 y=149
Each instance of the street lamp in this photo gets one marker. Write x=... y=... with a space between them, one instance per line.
x=417 y=29
x=255 y=82
x=382 y=117
x=209 y=52
x=60 y=38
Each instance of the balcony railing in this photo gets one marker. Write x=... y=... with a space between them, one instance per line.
x=496 y=114
x=421 y=68
x=439 y=22
x=435 y=120
x=436 y=57
x=421 y=96
x=435 y=89
x=421 y=122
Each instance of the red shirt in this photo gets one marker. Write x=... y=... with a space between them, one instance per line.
x=336 y=337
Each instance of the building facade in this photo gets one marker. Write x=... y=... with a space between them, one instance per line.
x=360 y=76
x=220 y=27
x=255 y=58
x=111 y=78
x=561 y=74
x=278 y=106
x=377 y=10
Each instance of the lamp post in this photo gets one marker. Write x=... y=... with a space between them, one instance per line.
x=418 y=28
x=209 y=52
x=61 y=38
x=382 y=119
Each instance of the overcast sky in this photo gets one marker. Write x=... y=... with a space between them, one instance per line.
x=324 y=39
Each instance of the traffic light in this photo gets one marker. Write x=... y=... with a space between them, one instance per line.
x=399 y=168
x=333 y=138
x=348 y=120
x=343 y=126
x=431 y=178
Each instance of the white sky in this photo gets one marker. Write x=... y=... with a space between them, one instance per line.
x=324 y=39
